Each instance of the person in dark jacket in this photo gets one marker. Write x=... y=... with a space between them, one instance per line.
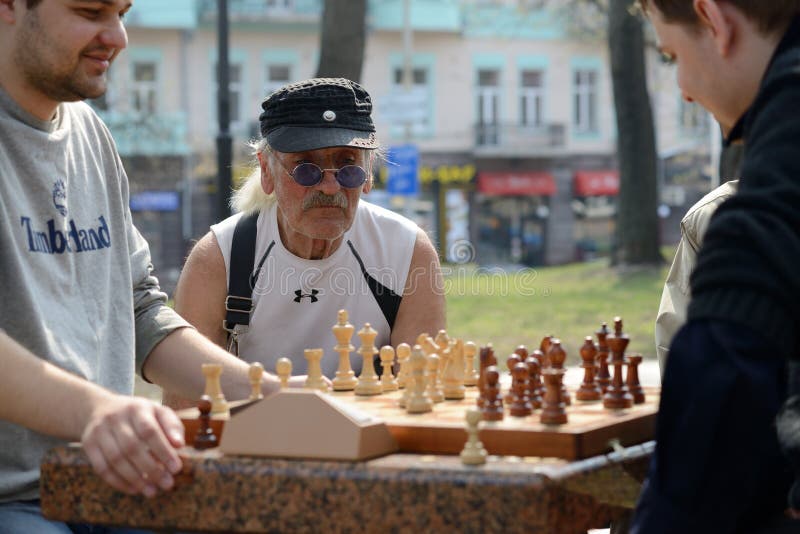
x=719 y=465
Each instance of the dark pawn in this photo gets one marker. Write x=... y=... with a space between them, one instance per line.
x=492 y=409
x=589 y=390
x=511 y=362
x=520 y=405
x=534 y=381
x=632 y=379
x=205 y=438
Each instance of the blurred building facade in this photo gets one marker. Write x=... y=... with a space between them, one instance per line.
x=510 y=107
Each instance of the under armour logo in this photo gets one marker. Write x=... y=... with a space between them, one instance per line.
x=299 y=295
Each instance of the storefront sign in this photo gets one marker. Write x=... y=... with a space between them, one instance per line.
x=516 y=183
x=596 y=183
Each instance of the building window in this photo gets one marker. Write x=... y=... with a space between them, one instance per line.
x=692 y=118
x=279 y=6
x=144 y=92
x=104 y=102
x=488 y=107
x=420 y=94
x=531 y=99
x=276 y=76
x=585 y=105
x=235 y=90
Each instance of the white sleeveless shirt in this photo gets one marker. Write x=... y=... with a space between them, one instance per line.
x=296 y=300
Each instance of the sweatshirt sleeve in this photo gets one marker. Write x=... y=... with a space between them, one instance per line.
x=154 y=320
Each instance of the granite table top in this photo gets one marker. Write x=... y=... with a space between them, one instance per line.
x=395 y=493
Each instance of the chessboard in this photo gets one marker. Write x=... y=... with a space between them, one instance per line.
x=590 y=430
x=559 y=424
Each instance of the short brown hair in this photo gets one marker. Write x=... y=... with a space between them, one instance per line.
x=769 y=15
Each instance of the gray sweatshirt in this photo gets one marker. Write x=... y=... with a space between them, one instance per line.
x=76 y=287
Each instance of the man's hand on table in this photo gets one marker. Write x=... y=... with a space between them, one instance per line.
x=132 y=444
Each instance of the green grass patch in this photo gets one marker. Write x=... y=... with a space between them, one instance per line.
x=570 y=302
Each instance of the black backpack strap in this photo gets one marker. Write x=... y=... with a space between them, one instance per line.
x=239 y=302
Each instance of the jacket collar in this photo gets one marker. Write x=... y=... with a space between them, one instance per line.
x=790 y=39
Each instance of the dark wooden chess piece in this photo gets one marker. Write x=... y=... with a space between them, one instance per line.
x=557 y=357
x=589 y=390
x=512 y=360
x=205 y=438
x=553 y=412
x=534 y=381
x=485 y=359
x=602 y=377
x=632 y=379
x=492 y=409
x=617 y=396
x=540 y=383
x=520 y=404
x=544 y=346
x=522 y=352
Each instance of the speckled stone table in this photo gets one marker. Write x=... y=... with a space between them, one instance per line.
x=395 y=493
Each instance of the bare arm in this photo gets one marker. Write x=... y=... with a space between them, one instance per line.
x=174 y=364
x=202 y=288
x=199 y=298
x=422 y=308
x=130 y=441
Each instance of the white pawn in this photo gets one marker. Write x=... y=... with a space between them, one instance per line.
x=434 y=390
x=473 y=453
x=212 y=372
x=254 y=374
x=418 y=401
x=403 y=354
x=283 y=368
x=388 y=382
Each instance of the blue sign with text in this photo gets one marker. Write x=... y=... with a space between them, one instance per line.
x=402 y=164
x=155 y=201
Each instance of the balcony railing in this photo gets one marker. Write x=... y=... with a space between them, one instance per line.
x=148 y=135
x=263 y=10
x=516 y=138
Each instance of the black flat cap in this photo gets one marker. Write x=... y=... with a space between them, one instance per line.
x=318 y=113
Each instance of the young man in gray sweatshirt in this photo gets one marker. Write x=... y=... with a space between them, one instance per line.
x=80 y=311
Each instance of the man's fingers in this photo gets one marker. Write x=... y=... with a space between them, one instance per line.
x=114 y=445
x=167 y=435
x=132 y=446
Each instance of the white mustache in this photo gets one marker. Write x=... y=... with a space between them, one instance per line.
x=320 y=200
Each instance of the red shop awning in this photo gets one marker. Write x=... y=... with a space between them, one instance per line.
x=596 y=183
x=516 y=183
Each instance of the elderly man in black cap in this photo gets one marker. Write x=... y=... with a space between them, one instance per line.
x=268 y=281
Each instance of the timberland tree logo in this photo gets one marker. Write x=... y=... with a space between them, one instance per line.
x=60 y=197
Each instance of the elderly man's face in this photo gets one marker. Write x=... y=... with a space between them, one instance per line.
x=323 y=211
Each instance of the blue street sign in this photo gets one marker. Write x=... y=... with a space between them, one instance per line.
x=155 y=201
x=402 y=164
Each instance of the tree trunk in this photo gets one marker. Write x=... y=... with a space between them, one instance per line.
x=637 y=232
x=344 y=28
